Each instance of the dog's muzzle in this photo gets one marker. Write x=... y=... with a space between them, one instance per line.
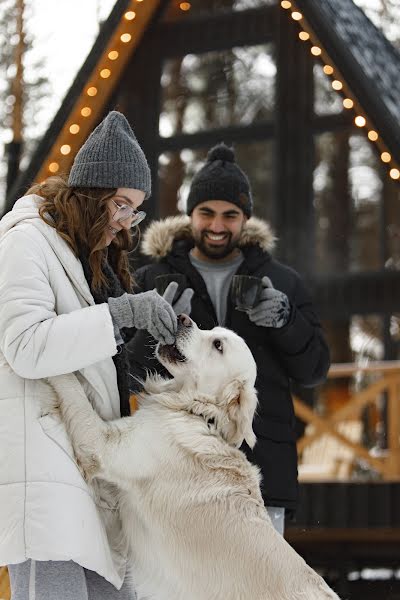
x=171 y=352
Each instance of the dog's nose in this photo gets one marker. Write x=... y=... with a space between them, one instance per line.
x=185 y=320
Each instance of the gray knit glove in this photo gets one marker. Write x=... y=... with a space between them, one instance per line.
x=184 y=303
x=273 y=309
x=145 y=311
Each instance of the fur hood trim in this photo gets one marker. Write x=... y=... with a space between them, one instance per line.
x=160 y=235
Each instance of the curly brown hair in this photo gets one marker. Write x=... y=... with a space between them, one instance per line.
x=80 y=216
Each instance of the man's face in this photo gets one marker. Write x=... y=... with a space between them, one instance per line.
x=217 y=226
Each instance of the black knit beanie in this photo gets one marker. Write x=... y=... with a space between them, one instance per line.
x=221 y=178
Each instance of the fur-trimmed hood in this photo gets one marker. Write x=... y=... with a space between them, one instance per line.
x=160 y=235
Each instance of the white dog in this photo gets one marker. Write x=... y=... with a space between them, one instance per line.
x=190 y=501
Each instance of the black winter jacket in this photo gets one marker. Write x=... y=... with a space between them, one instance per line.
x=295 y=353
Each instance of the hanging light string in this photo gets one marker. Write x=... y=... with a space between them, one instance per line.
x=99 y=86
x=339 y=84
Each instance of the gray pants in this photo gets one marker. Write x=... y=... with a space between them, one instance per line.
x=61 y=580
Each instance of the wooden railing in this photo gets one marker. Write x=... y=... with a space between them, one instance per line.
x=386 y=384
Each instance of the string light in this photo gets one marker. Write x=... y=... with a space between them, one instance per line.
x=337 y=85
x=360 y=121
x=92 y=91
x=74 y=129
x=53 y=167
x=348 y=103
x=185 y=6
x=130 y=15
x=105 y=73
x=113 y=55
x=86 y=111
x=65 y=149
x=125 y=38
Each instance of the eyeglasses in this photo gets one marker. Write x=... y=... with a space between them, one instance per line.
x=124 y=212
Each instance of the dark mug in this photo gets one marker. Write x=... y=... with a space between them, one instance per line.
x=245 y=292
x=163 y=281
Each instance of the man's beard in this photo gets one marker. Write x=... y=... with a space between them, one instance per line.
x=215 y=251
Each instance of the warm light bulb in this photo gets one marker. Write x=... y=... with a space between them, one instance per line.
x=337 y=85
x=316 y=51
x=348 y=103
x=297 y=16
x=286 y=4
x=92 y=91
x=130 y=15
x=395 y=173
x=328 y=70
x=53 y=167
x=113 y=55
x=185 y=6
x=304 y=36
x=86 y=111
x=65 y=149
x=105 y=73
x=74 y=128
x=125 y=38
x=373 y=135
x=386 y=157
x=360 y=121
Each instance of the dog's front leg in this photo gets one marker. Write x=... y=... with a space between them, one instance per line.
x=96 y=443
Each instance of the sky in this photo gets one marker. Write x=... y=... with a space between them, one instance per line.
x=65 y=31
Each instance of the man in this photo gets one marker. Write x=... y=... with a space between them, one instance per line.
x=217 y=240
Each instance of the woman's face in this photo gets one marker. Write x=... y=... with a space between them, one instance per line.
x=125 y=200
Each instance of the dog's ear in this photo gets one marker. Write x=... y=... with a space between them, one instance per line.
x=241 y=402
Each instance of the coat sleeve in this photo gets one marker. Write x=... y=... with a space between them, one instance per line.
x=35 y=341
x=301 y=344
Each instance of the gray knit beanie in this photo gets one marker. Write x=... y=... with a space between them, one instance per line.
x=221 y=178
x=111 y=158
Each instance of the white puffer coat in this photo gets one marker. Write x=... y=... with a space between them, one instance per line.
x=49 y=324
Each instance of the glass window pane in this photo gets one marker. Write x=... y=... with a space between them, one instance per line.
x=179 y=10
x=348 y=203
x=176 y=170
x=326 y=100
x=218 y=89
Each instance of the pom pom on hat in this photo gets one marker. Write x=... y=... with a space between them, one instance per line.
x=221 y=152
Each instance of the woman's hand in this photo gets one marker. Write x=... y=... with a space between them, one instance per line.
x=147 y=311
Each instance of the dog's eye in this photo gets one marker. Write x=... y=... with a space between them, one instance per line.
x=218 y=345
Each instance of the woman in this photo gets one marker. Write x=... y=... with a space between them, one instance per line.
x=65 y=304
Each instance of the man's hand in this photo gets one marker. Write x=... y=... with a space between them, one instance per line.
x=273 y=309
x=184 y=303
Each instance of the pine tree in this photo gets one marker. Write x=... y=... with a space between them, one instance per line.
x=23 y=88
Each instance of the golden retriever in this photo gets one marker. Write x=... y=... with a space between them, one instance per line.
x=190 y=501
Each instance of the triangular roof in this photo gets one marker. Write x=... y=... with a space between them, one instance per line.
x=363 y=60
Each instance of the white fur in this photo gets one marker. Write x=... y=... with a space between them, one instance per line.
x=190 y=502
